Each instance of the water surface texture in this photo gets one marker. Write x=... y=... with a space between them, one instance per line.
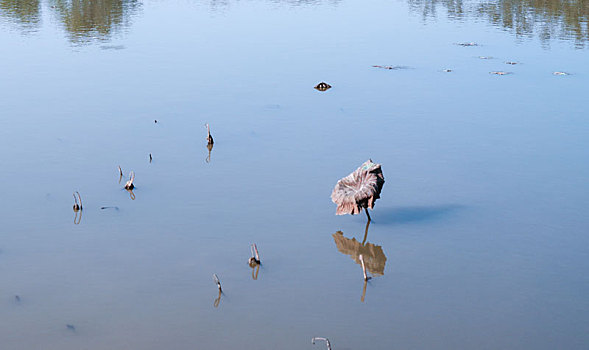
x=479 y=239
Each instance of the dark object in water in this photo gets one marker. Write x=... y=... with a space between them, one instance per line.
x=468 y=44
x=150 y=158
x=115 y=208
x=359 y=190
x=129 y=185
x=321 y=338
x=511 y=63
x=322 y=86
x=77 y=206
x=447 y=70
x=209 y=137
x=255 y=259
x=70 y=327
x=500 y=73
x=561 y=73
x=155 y=121
x=17 y=298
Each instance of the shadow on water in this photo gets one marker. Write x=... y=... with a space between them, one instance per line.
x=416 y=214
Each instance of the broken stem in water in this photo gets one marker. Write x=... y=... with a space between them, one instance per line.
x=217 y=282
x=321 y=338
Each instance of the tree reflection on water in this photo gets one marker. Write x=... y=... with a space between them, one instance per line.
x=83 y=20
x=24 y=14
x=547 y=19
x=87 y=20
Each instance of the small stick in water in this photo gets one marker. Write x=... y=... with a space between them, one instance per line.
x=70 y=327
x=150 y=158
x=321 y=338
x=366 y=278
x=217 y=282
x=120 y=174
x=209 y=137
x=129 y=185
x=77 y=206
x=255 y=259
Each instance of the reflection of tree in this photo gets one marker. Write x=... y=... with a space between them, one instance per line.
x=548 y=19
x=24 y=13
x=85 y=20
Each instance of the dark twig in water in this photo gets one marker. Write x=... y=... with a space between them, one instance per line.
x=361 y=257
x=209 y=137
x=150 y=158
x=120 y=174
x=116 y=208
x=77 y=202
x=217 y=282
x=255 y=259
x=321 y=338
x=129 y=185
x=70 y=327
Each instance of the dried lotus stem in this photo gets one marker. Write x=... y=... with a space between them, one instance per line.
x=129 y=185
x=321 y=338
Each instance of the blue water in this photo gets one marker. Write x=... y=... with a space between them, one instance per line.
x=483 y=216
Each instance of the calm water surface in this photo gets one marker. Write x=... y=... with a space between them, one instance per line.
x=479 y=240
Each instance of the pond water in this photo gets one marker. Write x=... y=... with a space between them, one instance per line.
x=479 y=239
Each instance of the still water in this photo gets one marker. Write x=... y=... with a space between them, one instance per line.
x=479 y=240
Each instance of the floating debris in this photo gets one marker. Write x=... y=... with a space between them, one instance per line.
x=391 y=67
x=255 y=259
x=17 y=298
x=561 y=73
x=77 y=202
x=114 y=207
x=120 y=171
x=155 y=121
x=486 y=57
x=467 y=44
x=70 y=327
x=209 y=137
x=321 y=338
x=150 y=158
x=446 y=70
x=129 y=185
x=322 y=86
x=500 y=73
x=511 y=63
